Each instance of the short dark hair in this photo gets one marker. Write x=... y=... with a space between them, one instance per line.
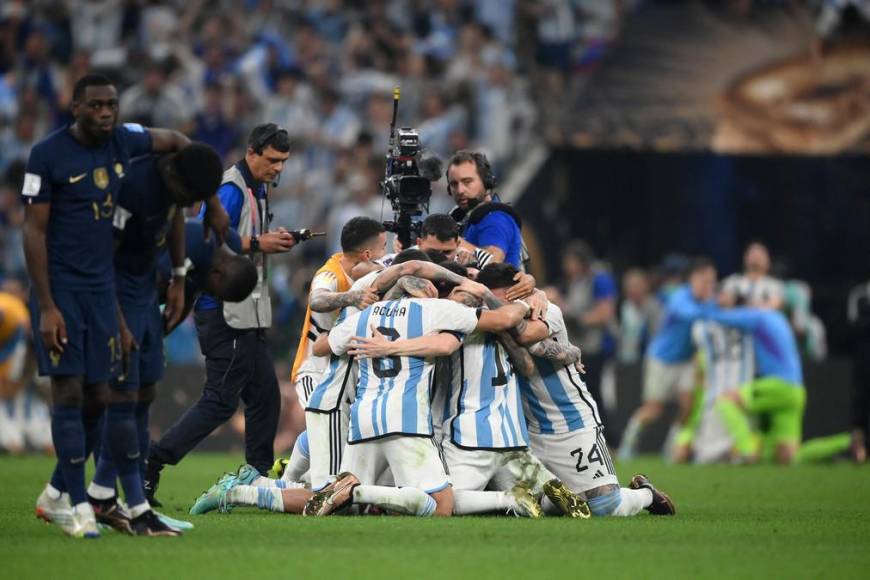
x=440 y=225
x=700 y=263
x=481 y=164
x=410 y=254
x=497 y=275
x=444 y=287
x=199 y=168
x=358 y=231
x=238 y=280
x=269 y=134
x=89 y=80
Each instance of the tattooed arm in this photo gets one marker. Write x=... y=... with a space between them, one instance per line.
x=427 y=270
x=519 y=356
x=562 y=354
x=322 y=300
x=412 y=286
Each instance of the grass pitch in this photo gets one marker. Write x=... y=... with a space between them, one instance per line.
x=748 y=522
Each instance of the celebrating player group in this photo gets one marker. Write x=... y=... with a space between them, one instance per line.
x=435 y=381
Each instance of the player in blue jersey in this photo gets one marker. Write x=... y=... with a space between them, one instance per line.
x=70 y=190
x=777 y=392
x=148 y=219
x=668 y=370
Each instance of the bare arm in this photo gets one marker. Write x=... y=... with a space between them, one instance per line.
x=323 y=300
x=426 y=270
x=519 y=356
x=175 y=293
x=433 y=345
x=321 y=345
x=562 y=354
x=52 y=326
x=603 y=312
x=497 y=254
x=412 y=286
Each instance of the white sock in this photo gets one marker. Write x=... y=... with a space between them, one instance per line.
x=467 y=502
x=299 y=462
x=84 y=508
x=550 y=508
x=100 y=492
x=138 y=510
x=266 y=498
x=53 y=492
x=404 y=500
x=633 y=502
x=630 y=438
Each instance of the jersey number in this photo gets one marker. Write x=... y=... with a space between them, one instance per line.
x=594 y=456
x=380 y=367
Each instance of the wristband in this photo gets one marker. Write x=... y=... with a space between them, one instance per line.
x=255 y=244
x=179 y=272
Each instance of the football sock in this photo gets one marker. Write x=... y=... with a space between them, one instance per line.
x=265 y=498
x=550 y=508
x=630 y=438
x=404 y=500
x=269 y=482
x=56 y=480
x=143 y=411
x=467 y=502
x=737 y=424
x=633 y=502
x=92 y=421
x=121 y=445
x=299 y=459
x=138 y=510
x=823 y=448
x=68 y=436
x=605 y=505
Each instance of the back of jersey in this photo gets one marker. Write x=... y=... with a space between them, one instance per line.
x=555 y=398
x=392 y=394
x=485 y=407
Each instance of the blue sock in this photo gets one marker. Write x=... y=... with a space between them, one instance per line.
x=604 y=505
x=121 y=443
x=67 y=433
x=142 y=421
x=93 y=426
x=56 y=480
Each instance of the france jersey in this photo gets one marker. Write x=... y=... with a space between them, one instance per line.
x=393 y=392
x=776 y=352
x=555 y=399
x=673 y=342
x=728 y=357
x=484 y=397
x=81 y=183
x=340 y=376
x=199 y=254
x=142 y=220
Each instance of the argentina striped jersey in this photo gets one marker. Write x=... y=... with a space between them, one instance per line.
x=555 y=399
x=392 y=394
x=729 y=359
x=484 y=397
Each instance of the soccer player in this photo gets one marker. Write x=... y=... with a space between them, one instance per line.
x=233 y=336
x=668 y=370
x=70 y=189
x=440 y=232
x=148 y=218
x=778 y=390
x=362 y=240
x=754 y=286
x=390 y=419
x=727 y=361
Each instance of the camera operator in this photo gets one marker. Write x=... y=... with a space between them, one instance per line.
x=487 y=223
x=232 y=336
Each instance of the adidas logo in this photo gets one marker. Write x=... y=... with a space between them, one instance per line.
x=597 y=474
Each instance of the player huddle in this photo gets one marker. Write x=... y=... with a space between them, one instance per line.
x=429 y=393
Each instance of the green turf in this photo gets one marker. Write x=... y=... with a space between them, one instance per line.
x=761 y=522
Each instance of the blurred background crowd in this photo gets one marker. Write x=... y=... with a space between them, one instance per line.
x=489 y=75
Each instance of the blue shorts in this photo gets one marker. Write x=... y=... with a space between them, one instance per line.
x=93 y=348
x=146 y=364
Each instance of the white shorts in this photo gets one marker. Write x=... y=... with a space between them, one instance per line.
x=413 y=461
x=580 y=458
x=327 y=435
x=664 y=381
x=482 y=469
x=305 y=385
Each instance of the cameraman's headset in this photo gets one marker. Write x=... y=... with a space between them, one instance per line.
x=484 y=170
